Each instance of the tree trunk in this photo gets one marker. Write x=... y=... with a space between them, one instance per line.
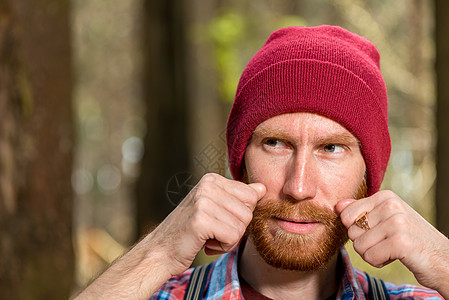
x=164 y=74
x=36 y=255
x=442 y=114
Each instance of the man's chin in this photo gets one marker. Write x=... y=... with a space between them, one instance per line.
x=297 y=252
x=299 y=246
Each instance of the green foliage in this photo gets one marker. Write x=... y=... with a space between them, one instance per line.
x=230 y=32
x=227 y=31
x=291 y=20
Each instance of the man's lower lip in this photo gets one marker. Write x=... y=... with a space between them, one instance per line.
x=301 y=228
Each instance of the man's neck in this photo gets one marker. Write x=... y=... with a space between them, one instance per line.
x=284 y=284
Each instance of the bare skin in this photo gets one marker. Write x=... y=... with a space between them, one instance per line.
x=305 y=157
x=398 y=232
x=213 y=216
x=308 y=158
x=288 y=156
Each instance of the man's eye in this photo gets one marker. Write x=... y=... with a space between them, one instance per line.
x=332 y=148
x=274 y=143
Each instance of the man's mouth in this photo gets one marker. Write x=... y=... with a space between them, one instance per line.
x=297 y=225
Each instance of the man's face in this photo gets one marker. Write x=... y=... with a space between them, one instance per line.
x=308 y=163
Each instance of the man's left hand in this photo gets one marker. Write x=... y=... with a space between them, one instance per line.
x=396 y=231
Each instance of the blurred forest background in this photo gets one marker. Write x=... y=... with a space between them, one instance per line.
x=112 y=109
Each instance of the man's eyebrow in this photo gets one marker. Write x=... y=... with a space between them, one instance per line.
x=337 y=138
x=264 y=133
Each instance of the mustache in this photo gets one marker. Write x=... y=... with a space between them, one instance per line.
x=290 y=209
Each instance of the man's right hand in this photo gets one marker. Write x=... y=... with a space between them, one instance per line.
x=214 y=216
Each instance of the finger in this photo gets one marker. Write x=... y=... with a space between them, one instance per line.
x=230 y=219
x=342 y=204
x=373 y=219
x=212 y=222
x=227 y=230
x=213 y=247
x=209 y=251
x=354 y=209
x=213 y=244
x=393 y=233
x=389 y=200
x=228 y=238
x=381 y=254
x=249 y=194
x=382 y=213
x=212 y=185
x=259 y=188
x=221 y=200
x=367 y=239
x=238 y=209
x=354 y=232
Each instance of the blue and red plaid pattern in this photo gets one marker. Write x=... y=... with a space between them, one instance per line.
x=223 y=283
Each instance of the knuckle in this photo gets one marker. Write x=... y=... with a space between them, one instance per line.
x=401 y=241
x=207 y=190
x=203 y=185
x=227 y=247
x=345 y=218
x=194 y=193
x=241 y=230
x=235 y=235
x=247 y=216
x=231 y=241
x=209 y=177
x=392 y=204
x=200 y=203
x=210 y=189
x=369 y=257
x=388 y=194
x=399 y=221
x=358 y=245
x=352 y=233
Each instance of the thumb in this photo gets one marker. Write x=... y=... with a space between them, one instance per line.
x=259 y=188
x=342 y=204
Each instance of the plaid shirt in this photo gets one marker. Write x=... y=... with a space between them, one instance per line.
x=223 y=283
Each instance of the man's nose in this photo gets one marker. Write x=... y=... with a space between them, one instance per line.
x=301 y=178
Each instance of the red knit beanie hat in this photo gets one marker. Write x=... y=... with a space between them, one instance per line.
x=325 y=70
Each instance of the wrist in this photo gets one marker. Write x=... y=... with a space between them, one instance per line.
x=148 y=261
x=136 y=275
x=166 y=253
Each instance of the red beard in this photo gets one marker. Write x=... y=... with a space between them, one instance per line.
x=292 y=251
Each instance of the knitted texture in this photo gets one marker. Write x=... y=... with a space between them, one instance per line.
x=325 y=70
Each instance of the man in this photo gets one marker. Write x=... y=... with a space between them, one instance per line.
x=307 y=136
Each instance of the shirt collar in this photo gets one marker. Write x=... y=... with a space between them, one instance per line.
x=225 y=279
x=350 y=287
